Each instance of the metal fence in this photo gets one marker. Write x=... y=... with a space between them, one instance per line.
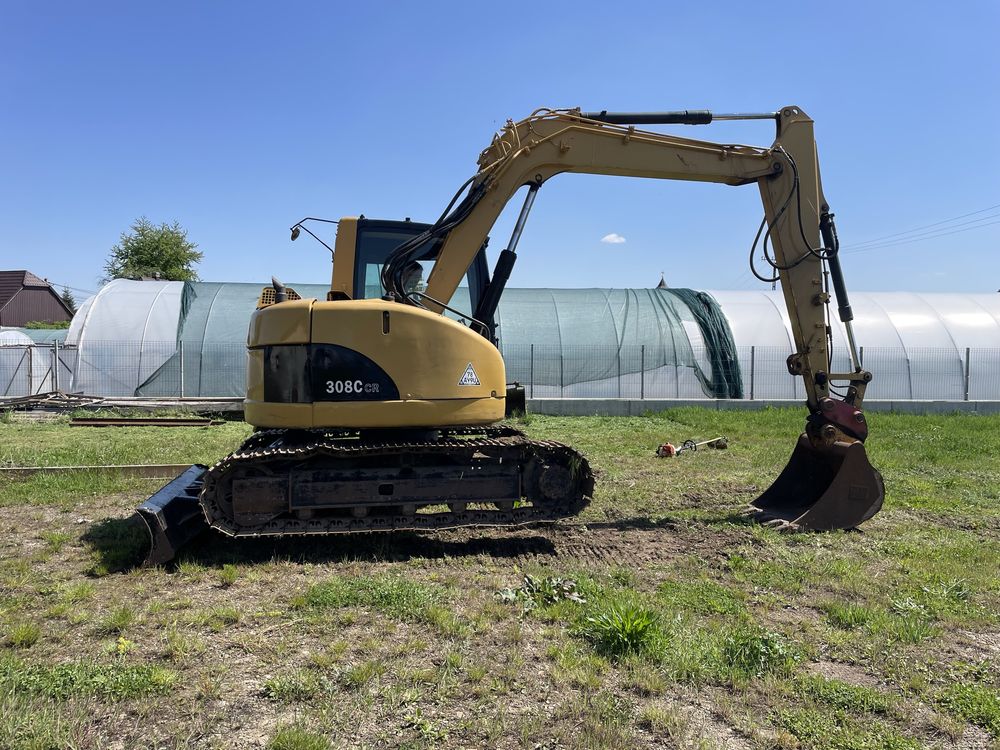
x=172 y=370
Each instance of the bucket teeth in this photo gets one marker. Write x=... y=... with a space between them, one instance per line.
x=822 y=488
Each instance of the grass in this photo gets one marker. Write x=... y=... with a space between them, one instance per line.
x=113 y=681
x=975 y=703
x=394 y=596
x=751 y=651
x=297 y=738
x=117 y=621
x=24 y=635
x=843 y=695
x=658 y=617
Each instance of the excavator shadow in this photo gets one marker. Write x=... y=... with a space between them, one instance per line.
x=122 y=544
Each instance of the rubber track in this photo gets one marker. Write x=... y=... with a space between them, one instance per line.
x=266 y=446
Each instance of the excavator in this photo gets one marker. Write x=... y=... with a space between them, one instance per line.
x=381 y=407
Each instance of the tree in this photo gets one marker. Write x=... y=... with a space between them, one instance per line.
x=148 y=250
x=68 y=299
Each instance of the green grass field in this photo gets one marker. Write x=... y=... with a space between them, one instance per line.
x=658 y=617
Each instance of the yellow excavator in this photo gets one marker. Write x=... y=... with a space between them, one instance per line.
x=378 y=408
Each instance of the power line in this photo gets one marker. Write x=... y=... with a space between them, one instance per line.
x=919 y=239
x=861 y=245
x=71 y=288
x=927 y=226
x=878 y=240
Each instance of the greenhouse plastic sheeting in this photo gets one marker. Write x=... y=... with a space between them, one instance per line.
x=571 y=341
x=122 y=335
x=914 y=344
x=209 y=358
x=576 y=342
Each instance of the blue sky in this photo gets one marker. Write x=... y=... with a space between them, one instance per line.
x=237 y=119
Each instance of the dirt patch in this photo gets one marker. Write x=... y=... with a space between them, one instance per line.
x=838 y=670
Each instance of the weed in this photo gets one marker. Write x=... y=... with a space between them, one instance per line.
x=228 y=575
x=605 y=721
x=117 y=544
x=297 y=738
x=301 y=685
x=445 y=621
x=217 y=618
x=24 y=635
x=624 y=577
x=620 y=629
x=910 y=623
x=541 y=592
x=31 y=724
x=77 y=592
x=359 y=676
x=750 y=651
x=117 y=621
x=55 y=540
x=179 y=646
x=663 y=721
x=645 y=679
x=427 y=729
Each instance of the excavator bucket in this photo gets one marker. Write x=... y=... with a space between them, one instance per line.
x=821 y=489
x=173 y=515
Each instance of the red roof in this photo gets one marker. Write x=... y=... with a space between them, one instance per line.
x=11 y=282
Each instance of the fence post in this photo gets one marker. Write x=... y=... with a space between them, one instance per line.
x=619 y=372
x=561 y=365
x=180 y=349
x=861 y=356
x=967 y=373
x=55 y=365
x=642 y=371
x=753 y=357
x=31 y=377
x=531 y=373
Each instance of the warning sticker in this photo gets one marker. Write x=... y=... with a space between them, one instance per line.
x=469 y=377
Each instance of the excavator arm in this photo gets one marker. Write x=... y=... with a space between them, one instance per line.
x=829 y=482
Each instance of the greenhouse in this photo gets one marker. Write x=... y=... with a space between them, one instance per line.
x=176 y=339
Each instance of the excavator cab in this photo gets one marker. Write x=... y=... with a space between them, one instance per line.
x=364 y=247
x=375 y=241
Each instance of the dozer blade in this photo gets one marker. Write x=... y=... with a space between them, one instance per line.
x=822 y=489
x=173 y=516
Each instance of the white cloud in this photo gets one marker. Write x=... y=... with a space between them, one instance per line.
x=613 y=239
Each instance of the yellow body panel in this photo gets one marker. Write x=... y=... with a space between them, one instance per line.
x=287 y=323
x=424 y=354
